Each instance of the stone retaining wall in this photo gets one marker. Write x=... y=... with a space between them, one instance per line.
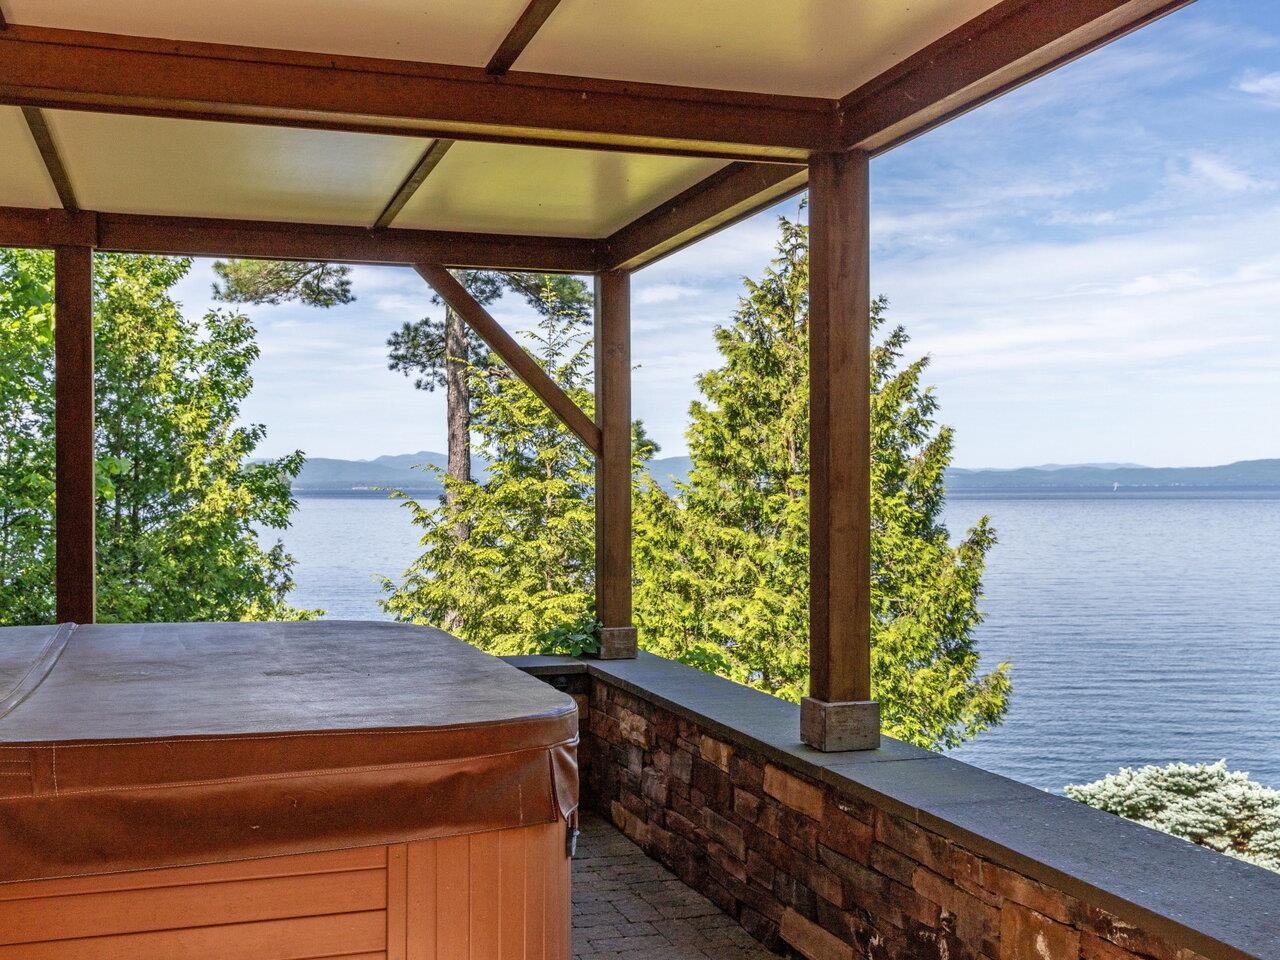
x=829 y=876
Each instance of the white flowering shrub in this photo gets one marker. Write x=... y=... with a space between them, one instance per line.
x=1205 y=803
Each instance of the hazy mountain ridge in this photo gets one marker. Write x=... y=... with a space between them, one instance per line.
x=400 y=471
x=1243 y=474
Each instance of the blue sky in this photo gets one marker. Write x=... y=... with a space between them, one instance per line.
x=1092 y=262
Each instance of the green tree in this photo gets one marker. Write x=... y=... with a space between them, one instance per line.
x=282 y=281
x=722 y=566
x=1205 y=803
x=179 y=500
x=26 y=438
x=436 y=352
x=527 y=567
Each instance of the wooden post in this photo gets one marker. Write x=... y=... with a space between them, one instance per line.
x=73 y=428
x=613 y=465
x=839 y=714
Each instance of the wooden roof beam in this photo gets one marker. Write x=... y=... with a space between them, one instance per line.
x=727 y=196
x=272 y=240
x=515 y=356
x=52 y=160
x=530 y=22
x=1012 y=43
x=429 y=160
x=64 y=69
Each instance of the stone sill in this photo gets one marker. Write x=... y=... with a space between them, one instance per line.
x=1191 y=896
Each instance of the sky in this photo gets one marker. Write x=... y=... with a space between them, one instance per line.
x=1092 y=263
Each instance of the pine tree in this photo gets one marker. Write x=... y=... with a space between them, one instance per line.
x=1205 y=803
x=526 y=568
x=723 y=565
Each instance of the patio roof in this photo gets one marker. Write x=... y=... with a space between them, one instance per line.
x=635 y=125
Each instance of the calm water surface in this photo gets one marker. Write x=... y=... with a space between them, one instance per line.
x=1141 y=630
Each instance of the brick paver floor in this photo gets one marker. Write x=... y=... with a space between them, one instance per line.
x=627 y=906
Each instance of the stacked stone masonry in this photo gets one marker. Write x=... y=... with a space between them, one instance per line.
x=825 y=876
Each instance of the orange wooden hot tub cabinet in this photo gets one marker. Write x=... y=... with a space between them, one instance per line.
x=279 y=792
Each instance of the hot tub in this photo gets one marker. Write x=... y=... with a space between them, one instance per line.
x=279 y=792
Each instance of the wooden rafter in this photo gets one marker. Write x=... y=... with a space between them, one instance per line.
x=515 y=356
x=65 y=69
x=429 y=160
x=1013 y=42
x=265 y=239
x=730 y=194
x=530 y=22
x=40 y=133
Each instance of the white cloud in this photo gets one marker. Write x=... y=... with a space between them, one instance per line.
x=664 y=292
x=1223 y=175
x=1264 y=85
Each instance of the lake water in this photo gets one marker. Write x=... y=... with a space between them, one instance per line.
x=1141 y=630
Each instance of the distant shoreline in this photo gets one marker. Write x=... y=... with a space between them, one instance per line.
x=1036 y=493
x=367 y=494
x=1124 y=493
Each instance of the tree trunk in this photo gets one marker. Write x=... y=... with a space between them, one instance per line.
x=458 y=403
x=457 y=397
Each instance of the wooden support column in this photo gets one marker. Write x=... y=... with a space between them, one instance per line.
x=73 y=427
x=613 y=465
x=839 y=714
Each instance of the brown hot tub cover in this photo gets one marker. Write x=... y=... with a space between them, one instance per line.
x=130 y=747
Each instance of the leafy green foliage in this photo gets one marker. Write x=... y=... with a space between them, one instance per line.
x=722 y=567
x=178 y=500
x=1205 y=803
x=281 y=281
x=570 y=640
x=26 y=438
x=417 y=349
x=526 y=569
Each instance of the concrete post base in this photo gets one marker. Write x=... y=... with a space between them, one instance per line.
x=843 y=725
x=617 y=643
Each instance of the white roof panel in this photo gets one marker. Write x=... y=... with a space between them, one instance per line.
x=24 y=182
x=821 y=48
x=546 y=191
x=464 y=32
x=195 y=168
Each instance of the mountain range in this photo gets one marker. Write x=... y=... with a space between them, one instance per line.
x=332 y=476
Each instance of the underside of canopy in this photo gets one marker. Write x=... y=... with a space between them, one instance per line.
x=572 y=134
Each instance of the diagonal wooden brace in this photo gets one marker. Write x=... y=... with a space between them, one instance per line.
x=515 y=356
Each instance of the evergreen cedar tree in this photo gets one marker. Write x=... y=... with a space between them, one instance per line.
x=1205 y=803
x=179 y=498
x=721 y=566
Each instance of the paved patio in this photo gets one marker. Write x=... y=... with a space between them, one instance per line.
x=625 y=905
